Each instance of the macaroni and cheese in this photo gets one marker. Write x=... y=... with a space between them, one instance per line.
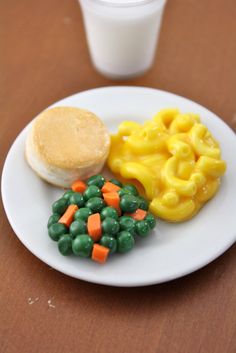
x=174 y=157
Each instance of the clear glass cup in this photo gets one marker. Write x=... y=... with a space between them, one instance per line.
x=122 y=34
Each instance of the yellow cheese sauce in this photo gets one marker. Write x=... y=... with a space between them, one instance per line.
x=174 y=157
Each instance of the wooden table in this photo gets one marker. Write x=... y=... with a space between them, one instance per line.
x=44 y=58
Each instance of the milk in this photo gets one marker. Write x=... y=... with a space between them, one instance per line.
x=122 y=34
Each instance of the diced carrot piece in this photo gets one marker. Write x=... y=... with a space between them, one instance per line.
x=100 y=253
x=94 y=226
x=68 y=216
x=112 y=199
x=78 y=186
x=109 y=187
x=138 y=215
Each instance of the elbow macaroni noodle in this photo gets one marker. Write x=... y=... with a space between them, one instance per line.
x=174 y=157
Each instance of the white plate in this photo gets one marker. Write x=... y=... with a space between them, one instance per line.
x=173 y=250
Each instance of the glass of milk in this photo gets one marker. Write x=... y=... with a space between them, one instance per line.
x=122 y=34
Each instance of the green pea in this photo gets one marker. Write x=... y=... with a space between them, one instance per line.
x=151 y=220
x=131 y=188
x=82 y=245
x=97 y=180
x=129 y=203
x=92 y=191
x=59 y=206
x=142 y=228
x=123 y=192
x=54 y=218
x=82 y=213
x=110 y=226
x=77 y=199
x=109 y=242
x=109 y=212
x=96 y=204
x=143 y=203
x=116 y=182
x=125 y=241
x=65 y=245
x=78 y=227
x=127 y=223
x=67 y=194
x=56 y=230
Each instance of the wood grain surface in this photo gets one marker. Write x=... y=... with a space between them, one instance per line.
x=43 y=58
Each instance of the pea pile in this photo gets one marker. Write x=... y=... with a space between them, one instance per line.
x=98 y=218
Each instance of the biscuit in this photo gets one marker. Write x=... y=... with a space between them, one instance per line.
x=65 y=144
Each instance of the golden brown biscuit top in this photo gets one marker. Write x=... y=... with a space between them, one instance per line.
x=69 y=137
